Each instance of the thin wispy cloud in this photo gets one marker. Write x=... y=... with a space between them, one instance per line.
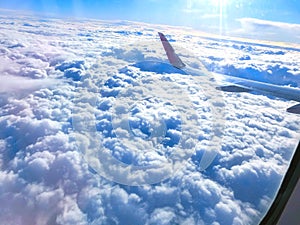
x=272 y=30
x=13 y=84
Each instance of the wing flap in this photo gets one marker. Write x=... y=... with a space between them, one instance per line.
x=294 y=109
x=233 y=88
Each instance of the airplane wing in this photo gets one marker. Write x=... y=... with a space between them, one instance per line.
x=239 y=84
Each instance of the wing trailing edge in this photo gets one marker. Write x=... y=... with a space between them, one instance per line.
x=171 y=54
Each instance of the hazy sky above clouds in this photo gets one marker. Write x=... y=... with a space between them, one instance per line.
x=175 y=12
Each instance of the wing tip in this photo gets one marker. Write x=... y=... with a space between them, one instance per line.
x=162 y=36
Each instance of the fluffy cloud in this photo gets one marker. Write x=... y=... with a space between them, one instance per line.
x=63 y=82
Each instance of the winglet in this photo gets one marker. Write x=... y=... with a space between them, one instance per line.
x=172 y=56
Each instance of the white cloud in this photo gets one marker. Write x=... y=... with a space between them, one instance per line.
x=162 y=216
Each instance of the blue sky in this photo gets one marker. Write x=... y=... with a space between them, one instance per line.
x=176 y=12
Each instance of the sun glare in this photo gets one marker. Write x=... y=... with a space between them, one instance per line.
x=219 y=2
x=221 y=5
